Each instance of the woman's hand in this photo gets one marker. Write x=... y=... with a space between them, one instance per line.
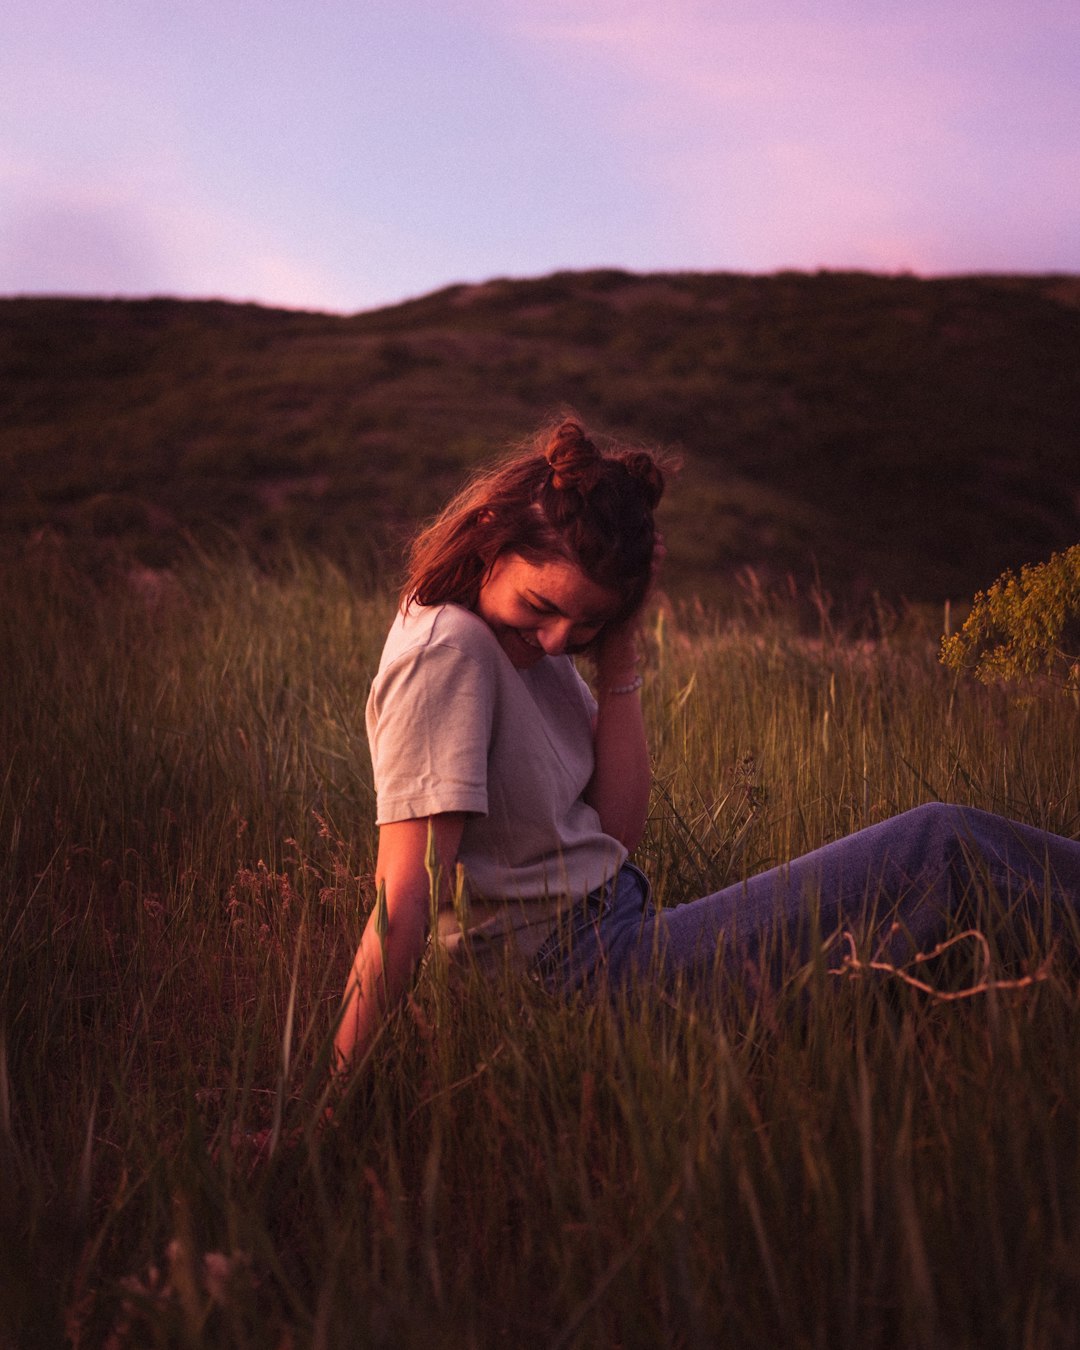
x=617 y=651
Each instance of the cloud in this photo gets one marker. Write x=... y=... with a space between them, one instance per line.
x=146 y=236
x=216 y=252
x=69 y=246
x=804 y=136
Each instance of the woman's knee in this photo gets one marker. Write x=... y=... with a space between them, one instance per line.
x=944 y=816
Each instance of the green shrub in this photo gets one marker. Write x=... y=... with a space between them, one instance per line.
x=1024 y=627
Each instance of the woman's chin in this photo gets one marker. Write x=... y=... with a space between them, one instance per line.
x=522 y=653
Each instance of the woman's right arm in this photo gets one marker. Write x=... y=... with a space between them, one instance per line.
x=383 y=967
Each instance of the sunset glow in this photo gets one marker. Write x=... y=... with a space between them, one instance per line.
x=344 y=156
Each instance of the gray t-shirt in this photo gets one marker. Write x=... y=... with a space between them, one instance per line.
x=454 y=726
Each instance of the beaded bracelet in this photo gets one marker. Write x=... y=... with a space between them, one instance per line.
x=631 y=688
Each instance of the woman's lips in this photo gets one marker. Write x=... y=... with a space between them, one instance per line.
x=530 y=651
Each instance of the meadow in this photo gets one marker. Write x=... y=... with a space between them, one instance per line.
x=186 y=818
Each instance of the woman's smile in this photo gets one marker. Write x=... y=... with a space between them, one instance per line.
x=529 y=650
x=542 y=609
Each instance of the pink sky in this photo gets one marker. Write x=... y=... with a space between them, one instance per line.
x=342 y=155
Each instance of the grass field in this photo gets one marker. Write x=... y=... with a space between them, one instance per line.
x=186 y=841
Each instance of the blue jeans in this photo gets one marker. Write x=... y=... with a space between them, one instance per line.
x=900 y=884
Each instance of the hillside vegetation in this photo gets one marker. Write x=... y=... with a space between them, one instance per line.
x=886 y=434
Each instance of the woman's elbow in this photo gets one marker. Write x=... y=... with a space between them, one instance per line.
x=630 y=838
x=405 y=938
x=627 y=830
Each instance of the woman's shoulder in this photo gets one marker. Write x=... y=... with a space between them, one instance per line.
x=425 y=627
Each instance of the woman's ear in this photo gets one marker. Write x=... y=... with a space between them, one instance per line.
x=485 y=517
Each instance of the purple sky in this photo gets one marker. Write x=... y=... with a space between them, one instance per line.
x=342 y=154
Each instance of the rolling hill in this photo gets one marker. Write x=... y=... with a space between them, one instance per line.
x=889 y=435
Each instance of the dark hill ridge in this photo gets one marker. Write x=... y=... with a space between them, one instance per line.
x=908 y=436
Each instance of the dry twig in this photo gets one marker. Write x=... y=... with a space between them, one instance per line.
x=852 y=965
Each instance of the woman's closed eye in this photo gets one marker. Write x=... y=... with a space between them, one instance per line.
x=583 y=639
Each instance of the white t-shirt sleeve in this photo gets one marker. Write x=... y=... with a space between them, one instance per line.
x=429 y=724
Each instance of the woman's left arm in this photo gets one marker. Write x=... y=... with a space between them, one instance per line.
x=622 y=777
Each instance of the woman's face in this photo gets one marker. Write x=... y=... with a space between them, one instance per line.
x=542 y=609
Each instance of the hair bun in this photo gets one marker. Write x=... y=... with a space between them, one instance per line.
x=574 y=461
x=646 y=473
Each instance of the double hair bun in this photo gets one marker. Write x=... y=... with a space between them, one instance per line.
x=576 y=465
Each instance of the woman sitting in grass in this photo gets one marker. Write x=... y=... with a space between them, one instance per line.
x=532 y=789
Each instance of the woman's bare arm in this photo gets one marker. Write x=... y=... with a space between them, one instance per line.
x=621 y=780
x=383 y=967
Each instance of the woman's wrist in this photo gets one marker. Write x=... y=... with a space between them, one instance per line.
x=619 y=671
x=628 y=683
x=618 y=660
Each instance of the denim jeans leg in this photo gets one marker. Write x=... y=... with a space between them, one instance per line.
x=576 y=955
x=915 y=869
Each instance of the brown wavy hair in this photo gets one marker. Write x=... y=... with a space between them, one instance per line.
x=560 y=498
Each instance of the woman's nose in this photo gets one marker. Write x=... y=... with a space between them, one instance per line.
x=555 y=637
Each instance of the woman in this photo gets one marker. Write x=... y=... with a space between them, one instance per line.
x=486 y=742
